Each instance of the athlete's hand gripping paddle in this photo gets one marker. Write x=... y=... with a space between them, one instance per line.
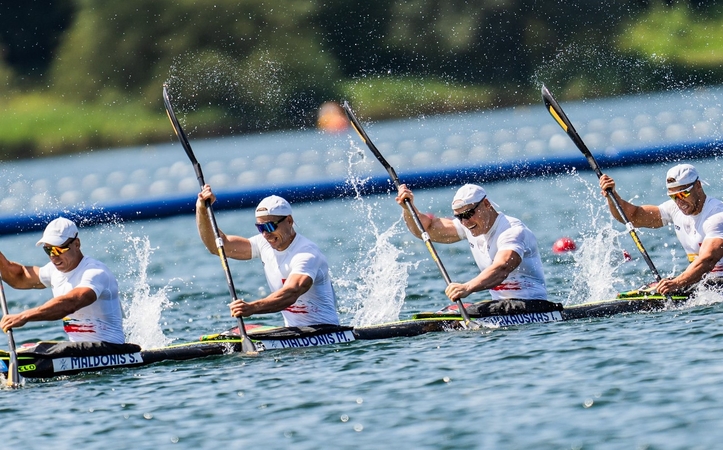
x=246 y=345
x=466 y=323
x=561 y=118
x=13 y=379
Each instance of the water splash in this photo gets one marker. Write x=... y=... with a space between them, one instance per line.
x=236 y=93
x=596 y=263
x=143 y=306
x=704 y=296
x=607 y=71
x=381 y=287
x=599 y=256
x=375 y=283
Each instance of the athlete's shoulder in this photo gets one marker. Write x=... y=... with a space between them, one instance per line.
x=517 y=224
x=302 y=243
x=714 y=205
x=91 y=263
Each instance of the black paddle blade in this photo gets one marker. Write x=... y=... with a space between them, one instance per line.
x=177 y=126
x=560 y=117
x=247 y=346
x=373 y=148
x=556 y=111
x=355 y=123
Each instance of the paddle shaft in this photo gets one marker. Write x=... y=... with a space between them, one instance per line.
x=247 y=345
x=393 y=174
x=13 y=379
x=561 y=118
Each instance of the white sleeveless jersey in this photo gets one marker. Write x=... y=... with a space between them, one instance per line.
x=316 y=306
x=527 y=281
x=693 y=230
x=102 y=320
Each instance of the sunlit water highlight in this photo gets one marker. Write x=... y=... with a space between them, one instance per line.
x=638 y=380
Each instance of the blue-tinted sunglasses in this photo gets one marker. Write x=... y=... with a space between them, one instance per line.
x=269 y=227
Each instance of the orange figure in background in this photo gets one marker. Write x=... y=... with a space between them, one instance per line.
x=332 y=118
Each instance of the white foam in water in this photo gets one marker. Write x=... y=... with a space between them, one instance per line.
x=143 y=307
x=378 y=288
x=705 y=296
x=599 y=255
x=381 y=287
x=596 y=261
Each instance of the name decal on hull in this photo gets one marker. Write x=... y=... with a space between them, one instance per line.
x=520 y=319
x=91 y=362
x=311 y=341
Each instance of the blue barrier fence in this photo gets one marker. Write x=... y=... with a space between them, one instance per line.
x=157 y=181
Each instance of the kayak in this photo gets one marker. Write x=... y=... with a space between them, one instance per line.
x=47 y=359
x=629 y=302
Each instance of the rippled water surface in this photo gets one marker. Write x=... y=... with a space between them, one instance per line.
x=631 y=381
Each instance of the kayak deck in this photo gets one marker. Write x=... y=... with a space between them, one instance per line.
x=50 y=359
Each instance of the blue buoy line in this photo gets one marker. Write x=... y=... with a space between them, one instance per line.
x=151 y=182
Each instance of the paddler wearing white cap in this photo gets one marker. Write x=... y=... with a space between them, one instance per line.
x=85 y=291
x=697 y=219
x=504 y=249
x=297 y=272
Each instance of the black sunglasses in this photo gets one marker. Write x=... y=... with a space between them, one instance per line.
x=269 y=227
x=470 y=212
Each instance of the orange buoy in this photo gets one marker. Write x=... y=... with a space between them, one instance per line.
x=564 y=245
x=332 y=118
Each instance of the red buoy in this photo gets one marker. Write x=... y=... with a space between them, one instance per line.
x=564 y=245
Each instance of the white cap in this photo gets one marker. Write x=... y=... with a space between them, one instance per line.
x=58 y=232
x=469 y=194
x=681 y=175
x=273 y=206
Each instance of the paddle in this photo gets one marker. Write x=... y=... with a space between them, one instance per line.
x=13 y=379
x=425 y=236
x=246 y=345
x=561 y=118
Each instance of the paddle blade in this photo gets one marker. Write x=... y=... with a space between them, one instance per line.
x=467 y=323
x=373 y=148
x=556 y=111
x=248 y=347
x=560 y=117
x=13 y=379
x=355 y=123
x=177 y=126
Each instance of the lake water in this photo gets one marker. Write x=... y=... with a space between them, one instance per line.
x=631 y=381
